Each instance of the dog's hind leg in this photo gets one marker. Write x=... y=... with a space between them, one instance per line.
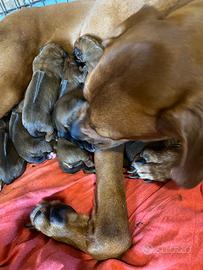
x=106 y=234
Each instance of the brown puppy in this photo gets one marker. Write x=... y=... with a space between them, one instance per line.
x=88 y=50
x=11 y=164
x=87 y=53
x=102 y=237
x=31 y=149
x=73 y=76
x=154 y=161
x=71 y=158
x=66 y=111
x=43 y=91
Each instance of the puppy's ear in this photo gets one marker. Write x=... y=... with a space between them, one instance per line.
x=144 y=14
x=186 y=123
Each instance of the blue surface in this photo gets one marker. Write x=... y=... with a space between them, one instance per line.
x=44 y=3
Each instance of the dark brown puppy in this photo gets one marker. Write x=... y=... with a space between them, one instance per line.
x=154 y=161
x=88 y=51
x=31 y=149
x=67 y=110
x=73 y=76
x=71 y=158
x=43 y=91
x=11 y=164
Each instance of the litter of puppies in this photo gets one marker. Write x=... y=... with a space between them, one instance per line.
x=38 y=128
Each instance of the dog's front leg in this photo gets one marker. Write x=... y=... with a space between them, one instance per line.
x=109 y=236
x=106 y=234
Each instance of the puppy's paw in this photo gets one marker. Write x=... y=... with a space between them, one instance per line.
x=160 y=157
x=155 y=165
x=151 y=172
x=51 y=155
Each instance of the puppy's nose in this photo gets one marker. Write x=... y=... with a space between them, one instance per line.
x=76 y=131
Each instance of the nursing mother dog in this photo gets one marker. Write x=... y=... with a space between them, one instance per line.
x=142 y=52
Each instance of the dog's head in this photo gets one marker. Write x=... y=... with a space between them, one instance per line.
x=145 y=88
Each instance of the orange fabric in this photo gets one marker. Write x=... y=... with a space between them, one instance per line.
x=166 y=224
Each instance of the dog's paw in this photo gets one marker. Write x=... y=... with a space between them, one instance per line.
x=52 y=217
x=154 y=165
x=51 y=155
x=48 y=215
x=61 y=222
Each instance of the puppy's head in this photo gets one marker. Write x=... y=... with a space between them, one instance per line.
x=31 y=149
x=12 y=165
x=73 y=74
x=88 y=50
x=40 y=98
x=50 y=59
x=71 y=157
x=67 y=110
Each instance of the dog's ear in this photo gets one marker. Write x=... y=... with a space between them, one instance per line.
x=186 y=123
x=146 y=13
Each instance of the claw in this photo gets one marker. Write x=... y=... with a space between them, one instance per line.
x=132 y=171
x=133 y=176
x=29 y=226
x=148 y=181
x=89 y=163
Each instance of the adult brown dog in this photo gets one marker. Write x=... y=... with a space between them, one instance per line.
x=144 y=51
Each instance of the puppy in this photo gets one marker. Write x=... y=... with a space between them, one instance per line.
x=155 y=160
x=72 y=159
x=43 y=91
x=11 y=164
x=67 y=110
x=132 y=149
x=73 y=76
x=88 y=51
x=31 y=149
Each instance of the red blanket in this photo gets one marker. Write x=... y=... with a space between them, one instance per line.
x=166 y=224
